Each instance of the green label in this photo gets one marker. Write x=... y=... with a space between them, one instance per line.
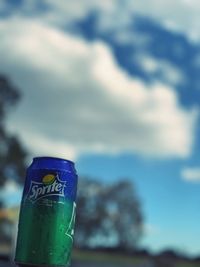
x=45 y=234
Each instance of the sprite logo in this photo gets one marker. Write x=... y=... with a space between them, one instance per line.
x=51 y=185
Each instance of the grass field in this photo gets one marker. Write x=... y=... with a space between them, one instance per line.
x=110 y=259
x=102 y=257
x=96 y=259
x=187 y=264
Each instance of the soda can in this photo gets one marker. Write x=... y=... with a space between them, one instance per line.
x=47 y=213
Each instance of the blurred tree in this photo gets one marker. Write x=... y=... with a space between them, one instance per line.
x=12 y=154
x=108 y=215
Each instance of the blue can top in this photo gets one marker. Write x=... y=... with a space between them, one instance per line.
x=53 y=163
x=50 y=178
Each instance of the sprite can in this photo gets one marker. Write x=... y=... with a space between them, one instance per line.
x=47 y=214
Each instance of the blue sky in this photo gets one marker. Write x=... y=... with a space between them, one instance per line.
x=169 y=203
x=114 y=86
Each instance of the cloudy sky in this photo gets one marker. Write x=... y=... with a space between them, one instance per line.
x=114 y=85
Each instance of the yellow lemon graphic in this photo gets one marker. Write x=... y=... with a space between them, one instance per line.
x=48 y=179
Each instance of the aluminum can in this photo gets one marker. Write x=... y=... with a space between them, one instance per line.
x=47 y=213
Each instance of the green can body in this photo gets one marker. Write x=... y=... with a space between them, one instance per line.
x=47 y=214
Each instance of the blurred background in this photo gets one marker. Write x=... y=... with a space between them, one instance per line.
x=113 y=85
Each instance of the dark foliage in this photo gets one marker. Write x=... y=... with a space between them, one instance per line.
x=108 y=215
x=12 y=154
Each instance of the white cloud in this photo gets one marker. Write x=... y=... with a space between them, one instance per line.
x=11 y=193
x=191 y=174
x=78 y=100
x=167 y=71
x=11 y=187
x=3 y=5
x=179 y=15
x=62 y=12
x=150 y=229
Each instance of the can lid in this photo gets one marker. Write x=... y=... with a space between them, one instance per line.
x=52 y=158
x=48 y=162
